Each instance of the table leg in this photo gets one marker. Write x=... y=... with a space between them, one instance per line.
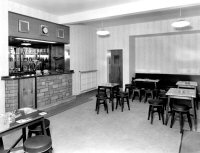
x=24 y=134
x=167 y=110
x=1 y=144
x=194 y=113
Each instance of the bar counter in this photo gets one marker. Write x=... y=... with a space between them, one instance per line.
x=37 y=91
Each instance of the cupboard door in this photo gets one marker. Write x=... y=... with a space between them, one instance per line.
x=27 y=93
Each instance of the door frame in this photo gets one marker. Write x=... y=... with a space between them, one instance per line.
x=108 y=63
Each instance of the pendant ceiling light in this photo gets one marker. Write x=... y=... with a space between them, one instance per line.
x=180 y=23
x=102 y=31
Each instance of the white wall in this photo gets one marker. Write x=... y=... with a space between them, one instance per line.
x=82 y=52
x=3 y=51
x=119 y=39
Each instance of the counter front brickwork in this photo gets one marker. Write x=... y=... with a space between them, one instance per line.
x=51 y=90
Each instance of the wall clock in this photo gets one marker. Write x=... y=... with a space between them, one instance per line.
x=44 y=29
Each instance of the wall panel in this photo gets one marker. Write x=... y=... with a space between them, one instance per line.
x=82 y=53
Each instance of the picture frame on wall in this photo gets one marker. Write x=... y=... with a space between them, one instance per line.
x=60 y=33
x=24 y=26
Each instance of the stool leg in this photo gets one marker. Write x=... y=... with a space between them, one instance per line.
x=152 y=111
x=106 y=106
x=48 y=132
x=133 y=95
x=117 y=102
x=149 y=112
x=128 y=103
x=158 y=109
x=98 y=103
x=29 y=134
x=172 y=119
x=181 y=122
x=122 y=103
x=189 y=121
x=162 y=114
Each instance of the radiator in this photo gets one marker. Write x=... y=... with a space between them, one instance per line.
x=88 y=80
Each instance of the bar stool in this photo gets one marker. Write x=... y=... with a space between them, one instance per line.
x=36 y=128
x=38 y=144
x=156 y=105
x=121 y=99
x=181 y=109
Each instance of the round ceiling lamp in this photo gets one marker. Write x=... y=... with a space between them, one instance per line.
x=180 y=23
x=102 y=32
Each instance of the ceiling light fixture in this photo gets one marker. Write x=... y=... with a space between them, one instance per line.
x=102 y=31
x=180 y=23
x=25 y=44
x=35 y=40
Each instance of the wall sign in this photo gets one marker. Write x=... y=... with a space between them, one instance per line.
x=23 y=26
x=60 y=33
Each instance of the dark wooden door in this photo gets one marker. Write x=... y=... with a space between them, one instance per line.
x=116 y=67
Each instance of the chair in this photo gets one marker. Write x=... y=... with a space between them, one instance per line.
x=101 y=99
x=156 y=105
x=122 y=97
x=38 y=144
x=36 y=128
x=181 y=109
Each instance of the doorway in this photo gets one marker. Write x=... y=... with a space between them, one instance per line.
x=115 y=66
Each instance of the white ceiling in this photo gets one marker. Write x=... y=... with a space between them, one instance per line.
x=79 y=11
x=63 y=7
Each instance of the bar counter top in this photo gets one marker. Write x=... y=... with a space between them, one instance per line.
x=34 y=75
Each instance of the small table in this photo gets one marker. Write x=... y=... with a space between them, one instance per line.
x=33 y=118
x=110 y=86
x=148 y=80
x=187 y=84
x=180 y=93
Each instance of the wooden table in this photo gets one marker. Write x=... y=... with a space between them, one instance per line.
x=110 y=86
x=187 y=84
x=181 y=93
x=148 y=80
x=33 y=118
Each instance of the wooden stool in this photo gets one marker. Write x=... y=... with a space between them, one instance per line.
x=156 y=105
x=181 y=109
x=123 y=97
x=38 y=144
x=101 y=100
x=36 y=128
x=129 y=88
